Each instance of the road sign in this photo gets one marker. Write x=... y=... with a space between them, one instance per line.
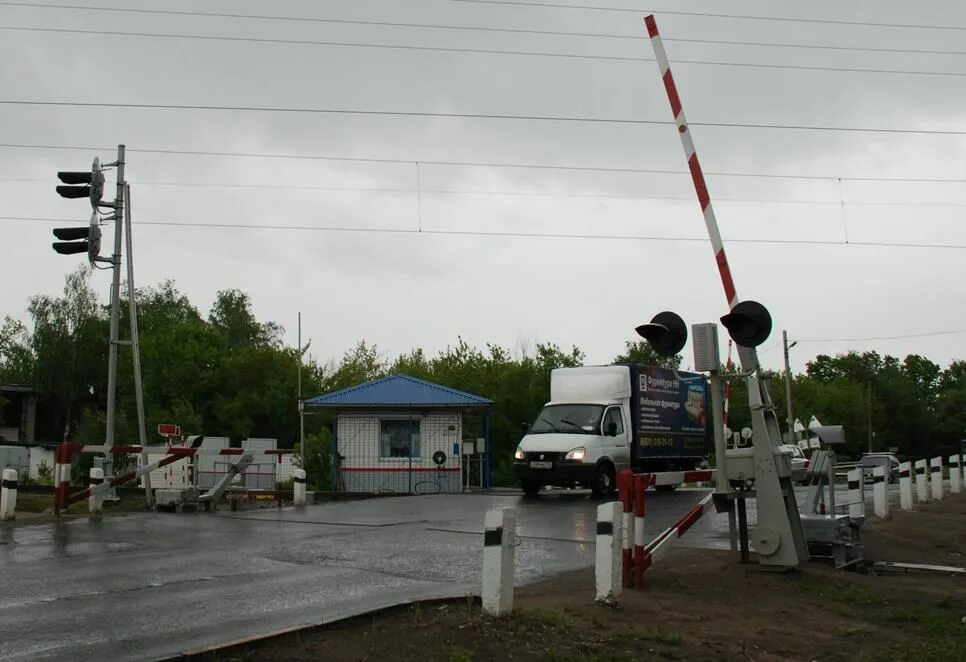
x=169 y=430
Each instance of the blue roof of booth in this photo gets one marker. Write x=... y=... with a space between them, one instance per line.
x=398 y=391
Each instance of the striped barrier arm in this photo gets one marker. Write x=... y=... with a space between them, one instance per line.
x=697 y=176
x=659 y=547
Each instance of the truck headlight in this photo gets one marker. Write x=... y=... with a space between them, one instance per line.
x=519 y=454
x=577 y=454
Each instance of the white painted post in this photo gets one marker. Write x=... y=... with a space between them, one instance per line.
x=856 y=497
x=8 y=494
x=880 y=500
x=955 y=474
x=922 y=482
x=298 y=487
x=905 y=485
x=498 y=541
x=937 y=478
x=95 y=502
x=607 y=561
x=962 y=463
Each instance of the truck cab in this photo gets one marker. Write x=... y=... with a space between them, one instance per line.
x=583 y=436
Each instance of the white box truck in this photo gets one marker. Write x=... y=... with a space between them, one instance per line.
x=601 y=419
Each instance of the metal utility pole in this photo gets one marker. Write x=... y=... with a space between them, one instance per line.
x=115 y=295
x=135 y=343
x=301 y=406
x=870 y=417
x=788 y=388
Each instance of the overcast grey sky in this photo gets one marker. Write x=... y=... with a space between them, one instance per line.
x=403 y=290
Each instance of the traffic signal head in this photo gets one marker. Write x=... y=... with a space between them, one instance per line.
x=748 y=323
x=666 y=332
x=83 y=184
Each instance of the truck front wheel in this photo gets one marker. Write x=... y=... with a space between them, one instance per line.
x=603 y=480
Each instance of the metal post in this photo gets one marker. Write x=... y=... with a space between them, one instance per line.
x=335 y=453
x=115 y=294
x=870 y=417
x=788 y=388
x=487 y=454
x=301 y=405
x=410 y=452
x=135 y=342
x=743 y=530
x=720 y=447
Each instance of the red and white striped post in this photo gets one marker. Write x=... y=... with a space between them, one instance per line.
x=641 y=481
x=625 y=493
x=61 y=476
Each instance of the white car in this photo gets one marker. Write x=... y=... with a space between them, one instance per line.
x=798 y=460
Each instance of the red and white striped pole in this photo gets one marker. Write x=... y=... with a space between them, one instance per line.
x=625 y=492
x=641 y=482
x=61 y=477
x=697 y=176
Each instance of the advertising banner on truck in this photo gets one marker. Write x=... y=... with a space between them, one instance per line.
x=673 y=414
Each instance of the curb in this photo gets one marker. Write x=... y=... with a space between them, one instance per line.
x=224 y=647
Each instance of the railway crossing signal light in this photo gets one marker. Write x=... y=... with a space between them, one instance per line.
x=84 y=185
x=748 y=323
x=666 y=332
x=76 y=240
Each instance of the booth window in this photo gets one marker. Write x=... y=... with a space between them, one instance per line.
x=394 y=437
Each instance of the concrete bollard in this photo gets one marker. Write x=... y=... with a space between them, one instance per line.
x=856 y=496
x=499 y=536
x=962 y=463
x=937 y=478
x=905 y=485
x=298 y=487
x=880 y=498
x=955 y=474
x=607 y=558
x=95 y=502
x=922 y=482
x=8 y=494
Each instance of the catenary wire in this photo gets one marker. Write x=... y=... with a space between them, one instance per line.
x=484 y=116
x=485 y=51
x=743 y=17
x=313 y=19
x=483 y=164
x=507 y=193
x=471 y=28
x=517 y=234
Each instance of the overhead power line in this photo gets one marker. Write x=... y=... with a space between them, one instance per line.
x=899 y=337
x=506 y=193
x=435 y=26
x=485 y=164
x=484 y=116
x=743 y=17
x=508 y=233
x=312 y=19
x=487 y=51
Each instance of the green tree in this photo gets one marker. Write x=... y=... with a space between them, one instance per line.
x=640 y=352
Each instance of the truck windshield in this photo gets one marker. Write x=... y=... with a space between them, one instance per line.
x=571 y=419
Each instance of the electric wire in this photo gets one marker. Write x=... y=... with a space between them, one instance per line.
x=482 y=116
x=483 y=164
x=508 y=233
x=486 y=51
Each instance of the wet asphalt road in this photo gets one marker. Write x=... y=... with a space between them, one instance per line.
x=148 y=586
